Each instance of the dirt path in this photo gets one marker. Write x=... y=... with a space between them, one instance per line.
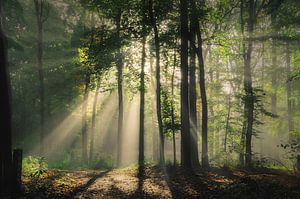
x=153 y=183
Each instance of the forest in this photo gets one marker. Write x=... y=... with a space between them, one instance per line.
x=150 y=99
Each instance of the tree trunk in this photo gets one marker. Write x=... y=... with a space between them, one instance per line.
x=172 y=108
x=158 y=86
x=5 y=117
x=155 y=136
x=227 y=123
x=120 y=90
x=243 y=132
x=204 y=156
x=289 y=89
x=84 y=122
x=184 y=95
x=39 y=7
x=94 y=122
x=193 y=98
x=274 y=78
x=249 y=99
x=142 y=104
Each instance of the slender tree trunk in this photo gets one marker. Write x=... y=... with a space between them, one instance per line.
x=39 y=7
x=204 y=109
x=184 y=95
x=158 y=84
x=243 y=132
x=193 y=98
x=172 y=108
x=215 y=142
x=120 y=90
x=155 y=136
x=204 y=156
x=291 y=124
x=289 y=88
x=227 y=122
x=94 y=114
x=5 y=117
x=142 y=103
x=84 y=122
x=249 y=99
x=274 y=78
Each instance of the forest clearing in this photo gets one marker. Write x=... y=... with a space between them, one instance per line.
x=174 y=183
x=150 y=99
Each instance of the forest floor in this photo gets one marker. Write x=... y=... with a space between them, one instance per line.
x=169 y=183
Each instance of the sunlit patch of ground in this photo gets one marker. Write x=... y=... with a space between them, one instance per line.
x=153 y=183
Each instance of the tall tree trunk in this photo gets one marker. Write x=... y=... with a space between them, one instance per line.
x=227 y=122
x=249 y=99
x=274 y=78
x=158 y=85
x=243 y=132
x=184 y=95
x=155 y=136
x=142 y=103
x=204 y=155
x=289 y=88
x=84 y=122
x=172 y=108
x=193 y=98
x=120 y=89
x=5 y=117
x=94 y=114
x=214 y=149
x=41 y=17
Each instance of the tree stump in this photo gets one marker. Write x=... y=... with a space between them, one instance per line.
x=17 y=171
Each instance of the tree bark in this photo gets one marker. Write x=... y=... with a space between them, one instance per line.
x=155 y=137
x=184 y=95
x=158 y=84
x=41 y=18
x=172 y=109
x=84 y=122
x=142 y=103
x=204 y=155
x=243 y=132
x=274 y=78
x=227 y=122
x=5 y=117
x=289 y=89
x=193 y=98
x=120 y=89
x=249 y=98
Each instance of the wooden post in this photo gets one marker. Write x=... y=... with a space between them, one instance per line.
x=17 y=171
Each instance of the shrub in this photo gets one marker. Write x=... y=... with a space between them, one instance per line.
x=34 y=166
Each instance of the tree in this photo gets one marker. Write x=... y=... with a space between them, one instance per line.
x=42 y=12
x=142 y=88
x=193 y=96
x=204 y=156
x=249 y=94
x=184 y=95
x=158 y=84
x=84 y=122
x=173 y=107
x=94 y=114
x=5 y=116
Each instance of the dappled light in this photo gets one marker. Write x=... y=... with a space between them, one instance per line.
x=149 y=99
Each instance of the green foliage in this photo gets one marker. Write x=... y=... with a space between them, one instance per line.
x=296 y=72
x=167 y=103
x=34 y=166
